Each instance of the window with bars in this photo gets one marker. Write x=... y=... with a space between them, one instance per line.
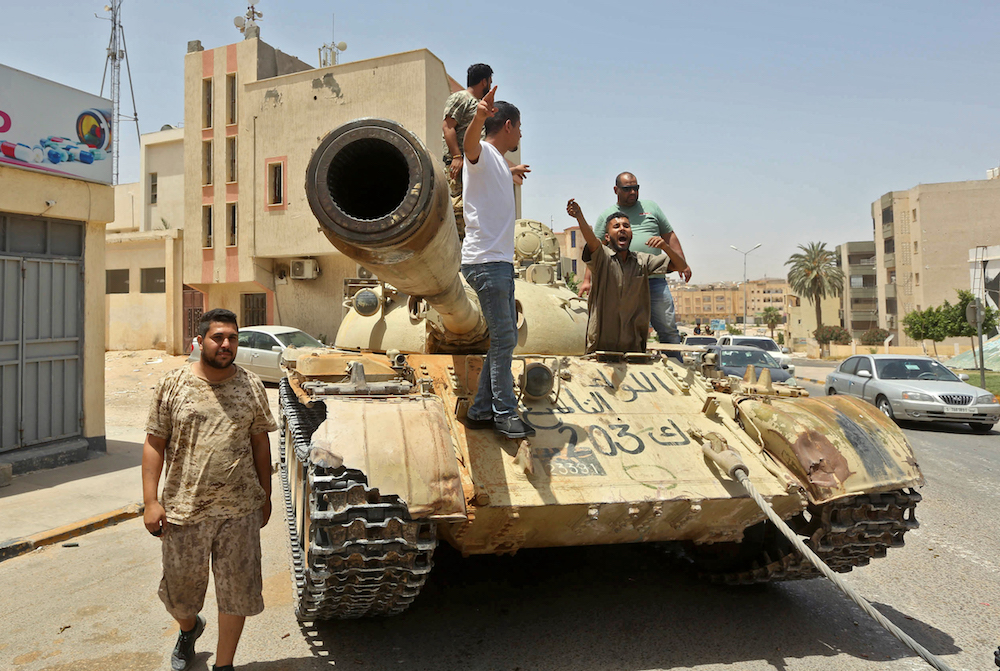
x=231 y=159
x=152 y=188
x=254 y=309
x=206 y=162
x=206 y=88
x=231 y=98
x=206 y=226
x=231 y=224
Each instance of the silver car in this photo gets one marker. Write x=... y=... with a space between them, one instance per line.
x=915 y=388
x=260 y=348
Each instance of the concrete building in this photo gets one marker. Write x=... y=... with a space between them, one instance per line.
x=802 y=320
x=768 y=292
x=145 y=297
x=51 y=280
x=253 y=116
x=859 y=302
x=701 y=303
x=571 y=245
x=922 y=241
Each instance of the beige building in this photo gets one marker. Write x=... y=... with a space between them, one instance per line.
x=253 y=116
x=768 y=292
x=859 y=302
x=802 y=319
x=701 y=303
x=144 y=301
x=922 y=241
x=571 y=244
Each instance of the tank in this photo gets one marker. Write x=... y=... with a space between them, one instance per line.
x=378 y=467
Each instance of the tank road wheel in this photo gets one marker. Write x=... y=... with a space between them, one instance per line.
x=882 y=403
x=355 y=552
x=844 y=533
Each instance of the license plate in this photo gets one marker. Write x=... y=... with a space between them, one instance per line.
x=958 y=411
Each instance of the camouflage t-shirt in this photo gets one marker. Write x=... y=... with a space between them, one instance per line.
x=209 y=460
x=460 y=106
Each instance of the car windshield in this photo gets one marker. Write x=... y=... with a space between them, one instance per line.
x=699 y=340
x=760 y=343
x=744 y=358
x=298 y=339
x=913 y=369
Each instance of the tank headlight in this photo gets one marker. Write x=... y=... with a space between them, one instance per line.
x=366 y=302
x=538 y=380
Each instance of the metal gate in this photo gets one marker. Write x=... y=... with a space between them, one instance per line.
x=40 y=350
x=194 y=307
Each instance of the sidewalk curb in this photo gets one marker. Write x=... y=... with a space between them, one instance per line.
x=19 y=546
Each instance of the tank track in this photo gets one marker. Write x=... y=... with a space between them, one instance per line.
x=365 y=556
x=845 y=533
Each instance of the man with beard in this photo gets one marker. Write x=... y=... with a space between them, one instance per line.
x=647 y=221
x=618 y=302
x=208 y=423
x=459 y=110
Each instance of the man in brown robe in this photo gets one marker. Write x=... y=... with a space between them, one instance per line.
x=618 y=303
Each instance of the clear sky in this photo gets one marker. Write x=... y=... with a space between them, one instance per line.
x=766 y=122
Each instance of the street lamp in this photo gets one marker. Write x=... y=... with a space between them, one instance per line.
x=745 y=282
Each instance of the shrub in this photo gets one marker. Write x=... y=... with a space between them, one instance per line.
x=833 y=334
x=874 y=336
x=781 y=338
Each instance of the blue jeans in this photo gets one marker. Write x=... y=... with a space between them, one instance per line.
x=661 y=305
x=494 y=284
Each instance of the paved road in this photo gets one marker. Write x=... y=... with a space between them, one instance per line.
x=602 y=608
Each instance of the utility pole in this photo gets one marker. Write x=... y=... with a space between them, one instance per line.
x=745 y=282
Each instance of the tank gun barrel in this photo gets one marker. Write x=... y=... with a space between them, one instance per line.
x=383 y=201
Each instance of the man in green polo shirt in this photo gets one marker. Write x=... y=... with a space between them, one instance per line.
x=646 y=220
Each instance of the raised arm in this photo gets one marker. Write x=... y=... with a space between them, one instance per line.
x=484 y=110
x=573 y=209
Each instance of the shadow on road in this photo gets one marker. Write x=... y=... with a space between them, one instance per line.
x=120 y=455
x=604 y=607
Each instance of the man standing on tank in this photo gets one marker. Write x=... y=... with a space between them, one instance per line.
x=208 y=423
x=647 y=220
x=459 y=110
x=487 y=258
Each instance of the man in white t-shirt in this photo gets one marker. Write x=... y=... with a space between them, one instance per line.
x=487 y=257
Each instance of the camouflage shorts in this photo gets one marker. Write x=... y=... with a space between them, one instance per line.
x=234 y=548
x=455 y=187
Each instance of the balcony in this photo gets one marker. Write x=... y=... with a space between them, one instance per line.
x=890 y=290
x=887 y=230
x=890 y=260
x=864 y=292
x=864 y=316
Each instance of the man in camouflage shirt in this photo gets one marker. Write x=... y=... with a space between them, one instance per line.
x=459 y=110
x=208 y=423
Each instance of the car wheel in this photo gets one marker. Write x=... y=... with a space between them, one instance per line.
x=979 y=427
x=831 y=392
x=882 y=403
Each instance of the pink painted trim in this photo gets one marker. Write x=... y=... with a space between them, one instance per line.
x=206 y=133
x=232 y=264
x=232 y=192
x=207 y=63
x=232 y=129
x=230 y=59
x=208 y=194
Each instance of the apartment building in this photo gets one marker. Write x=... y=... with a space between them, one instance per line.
x=571 y=246
x=253 y=116
x=701 y=303
x=859 y=301
x=922 y=241
x=144 y=292
x=768 y=292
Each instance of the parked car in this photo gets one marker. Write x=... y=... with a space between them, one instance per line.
x=260 y=347
x=700 y=340
x=733 y=361
x=914 y=388
x=782 y=354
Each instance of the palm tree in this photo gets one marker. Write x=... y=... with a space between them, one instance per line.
x=814 y=275
x=772 y=317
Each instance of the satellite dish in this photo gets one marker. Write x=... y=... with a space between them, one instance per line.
x=341 y=46
x=260 y=15
x=240 y=22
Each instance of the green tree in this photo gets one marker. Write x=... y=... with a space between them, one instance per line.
x=572 y=281
x=814 y=275
x=772 y=317
x=930 y=324
x=956 y=325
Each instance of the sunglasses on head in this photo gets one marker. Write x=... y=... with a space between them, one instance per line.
x=629 y=188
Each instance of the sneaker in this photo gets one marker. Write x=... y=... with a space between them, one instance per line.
x=225 y=667
x=471 y=423
x=512 y=427
x=183 y=653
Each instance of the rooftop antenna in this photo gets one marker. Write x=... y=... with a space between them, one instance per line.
x=329 y=54
x=247 y=23
x=117 y=52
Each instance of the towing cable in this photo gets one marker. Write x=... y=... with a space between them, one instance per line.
x=715 y=448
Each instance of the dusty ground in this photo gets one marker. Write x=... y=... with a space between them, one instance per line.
x=129 y=379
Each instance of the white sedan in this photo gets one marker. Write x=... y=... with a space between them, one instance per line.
x=260 y=348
